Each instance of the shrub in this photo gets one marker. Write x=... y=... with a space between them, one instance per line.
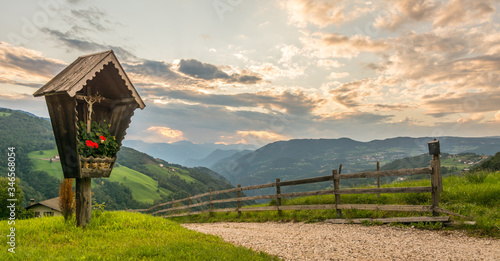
x=67 y=198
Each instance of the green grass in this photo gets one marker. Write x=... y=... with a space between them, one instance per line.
x=118 y=236
x=5 y=114
x=144 y=188
x=476 y=195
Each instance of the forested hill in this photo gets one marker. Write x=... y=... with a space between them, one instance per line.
x=492 y=163
x=137 y=180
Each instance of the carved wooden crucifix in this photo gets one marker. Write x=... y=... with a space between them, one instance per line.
x=90 y=102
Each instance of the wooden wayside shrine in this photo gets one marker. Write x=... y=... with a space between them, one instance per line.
x=94 y=88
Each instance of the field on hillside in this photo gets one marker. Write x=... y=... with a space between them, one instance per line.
x=144 y=188
x=117 y=236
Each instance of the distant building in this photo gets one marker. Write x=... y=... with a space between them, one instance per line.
x=46 y=208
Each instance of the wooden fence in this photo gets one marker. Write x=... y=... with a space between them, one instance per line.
x=176 y=206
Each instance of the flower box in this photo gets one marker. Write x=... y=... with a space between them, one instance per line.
x=96 y=167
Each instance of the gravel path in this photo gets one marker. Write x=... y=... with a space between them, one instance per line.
x=322 y=241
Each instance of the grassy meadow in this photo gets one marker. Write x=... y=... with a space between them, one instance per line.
x=475 y=195
x=118 y=236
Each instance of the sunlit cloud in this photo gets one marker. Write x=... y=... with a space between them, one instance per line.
x=26 y=66
x=320 y=13
x=252 y=137
x=330 y=45
x=163 y=135
x=458 y=12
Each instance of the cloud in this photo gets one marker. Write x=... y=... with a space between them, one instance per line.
x=327 y=45
x=73 y=42
x=26 y=66
x=335 y=75
x=353 y=94
x=473 y=119
x=252 y=137
x=402 y=12
x=160 y=134
x=92 y=18
x=463 y=103
x=458 y=12
x=206 y=71
x=320 y=13
x=154 y=69
x=329 y=63
x=295 y=103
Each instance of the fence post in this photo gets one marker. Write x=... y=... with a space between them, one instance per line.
x=278 y=197
x=172 y=211
x=159 y=208
x=211 y=204
x=378 y=178
x=336 y=189
x=189 y=205
x=239 y=199
x=436 y=180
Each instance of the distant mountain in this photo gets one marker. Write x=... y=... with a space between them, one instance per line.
x=214 y=157
x=304 y=158
x=181 y=152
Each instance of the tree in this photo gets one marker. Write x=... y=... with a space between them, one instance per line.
x=6 y=188
x=67 y=198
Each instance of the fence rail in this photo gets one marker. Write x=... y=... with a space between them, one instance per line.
x=436 y=187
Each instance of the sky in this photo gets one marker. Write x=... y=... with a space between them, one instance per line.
x=255 y=72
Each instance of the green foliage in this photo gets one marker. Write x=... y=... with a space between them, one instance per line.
x=7 y=186
x=119 y=236
x=42 y=182
x=115 y=196
x=476 y=177
x=97 y=142
x=97 y=208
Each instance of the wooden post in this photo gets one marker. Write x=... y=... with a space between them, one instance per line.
x=440 y=177
x=435 y=182
x=378 y=178
x=172 y=212
x=211 y=204
x=239 y=199
x=278 y=197
x=189 y=204
x=336 y=188
x=83 y=201
x=159 y=208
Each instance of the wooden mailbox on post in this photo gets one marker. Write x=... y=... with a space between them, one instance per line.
x=92 y=95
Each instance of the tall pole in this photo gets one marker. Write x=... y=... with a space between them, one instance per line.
x=83 y=201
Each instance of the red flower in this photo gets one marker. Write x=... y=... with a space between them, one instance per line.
x=91 y=144
x=103 y=139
